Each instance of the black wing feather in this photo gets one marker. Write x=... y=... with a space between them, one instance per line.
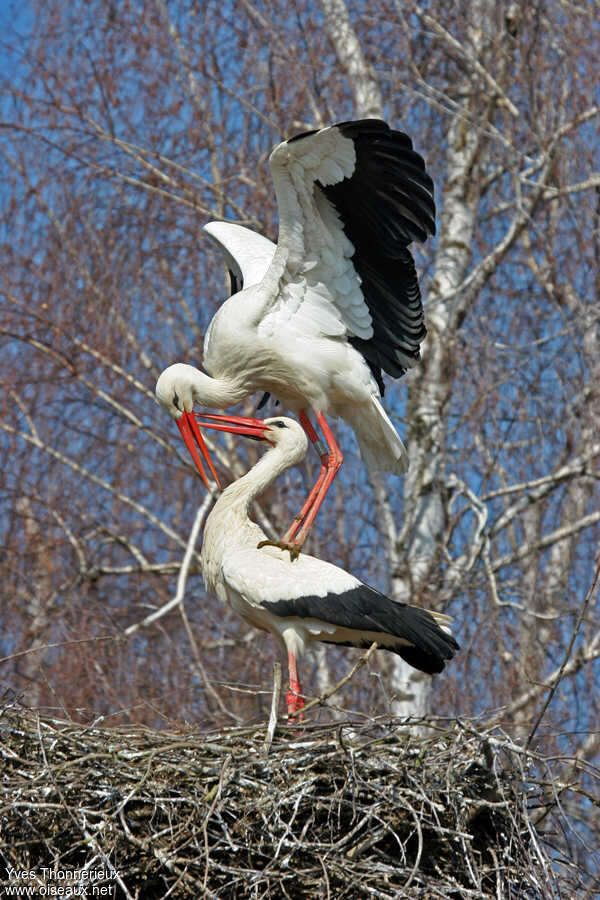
x=385 y=205
x=365 y=609
x=235 y=282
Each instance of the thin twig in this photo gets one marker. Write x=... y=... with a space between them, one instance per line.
x=329 y=693
x=557 y=681
x=211 y=810
x=183 y=572
x=274 y=706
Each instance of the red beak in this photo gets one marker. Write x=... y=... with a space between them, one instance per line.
x=192 y=436
x=193 y=439
x=253 y=428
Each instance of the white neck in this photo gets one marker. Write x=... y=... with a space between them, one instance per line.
x=228 y=526
x=242 y=492
x=216 y=392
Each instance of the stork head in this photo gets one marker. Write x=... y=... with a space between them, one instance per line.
x=175 y=389
x=288 y=436
x=285 y=434
x=181 y=385
x=175 y=393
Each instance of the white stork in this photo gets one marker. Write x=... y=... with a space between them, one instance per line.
x=306 y=600
x=337 y=301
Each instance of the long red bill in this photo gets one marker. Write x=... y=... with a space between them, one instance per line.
x=193 y=439
x=254 y=428
x=188 y=426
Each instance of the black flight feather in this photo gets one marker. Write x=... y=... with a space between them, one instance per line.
x=235 y=282
x=364 y=609
x=384 y=205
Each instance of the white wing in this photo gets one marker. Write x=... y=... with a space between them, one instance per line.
x=312 y=279
x=333 y=606
x=246 y=253
x=351 y=199
x=267 y=576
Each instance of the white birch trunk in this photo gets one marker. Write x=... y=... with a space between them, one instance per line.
x=34 y=602
x=412 y=551
x=425 y=509
x=424 y=494
x=367 y=96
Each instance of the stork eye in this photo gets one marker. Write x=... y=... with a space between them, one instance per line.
x=176 y=401
x=280 y=424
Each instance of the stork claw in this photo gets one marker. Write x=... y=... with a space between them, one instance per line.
x=294 y=549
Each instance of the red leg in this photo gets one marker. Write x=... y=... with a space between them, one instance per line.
x=295 y=700
x=331 y=460
x=314 y=438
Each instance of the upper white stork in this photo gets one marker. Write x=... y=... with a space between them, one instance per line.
x=337 y=301
x=306 y=600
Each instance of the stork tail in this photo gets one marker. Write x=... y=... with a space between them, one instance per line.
x=380 y=444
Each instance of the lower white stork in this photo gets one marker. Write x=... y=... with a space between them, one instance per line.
x=306 y=600
x=320 y=315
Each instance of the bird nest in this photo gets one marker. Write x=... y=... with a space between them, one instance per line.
x=332 y=811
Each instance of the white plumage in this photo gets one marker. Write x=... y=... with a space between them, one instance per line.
x=337 y=301
x=305 y=600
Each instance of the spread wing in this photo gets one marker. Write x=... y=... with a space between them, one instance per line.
x=247 y=254
x=351 y=199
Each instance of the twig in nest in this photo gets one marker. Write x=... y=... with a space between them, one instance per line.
x=274 y=706
x=209 y=814
x=325 y=696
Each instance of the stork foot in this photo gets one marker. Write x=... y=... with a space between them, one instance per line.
x=293 y=549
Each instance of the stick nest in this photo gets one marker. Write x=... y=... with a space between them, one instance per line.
x=338 y=810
